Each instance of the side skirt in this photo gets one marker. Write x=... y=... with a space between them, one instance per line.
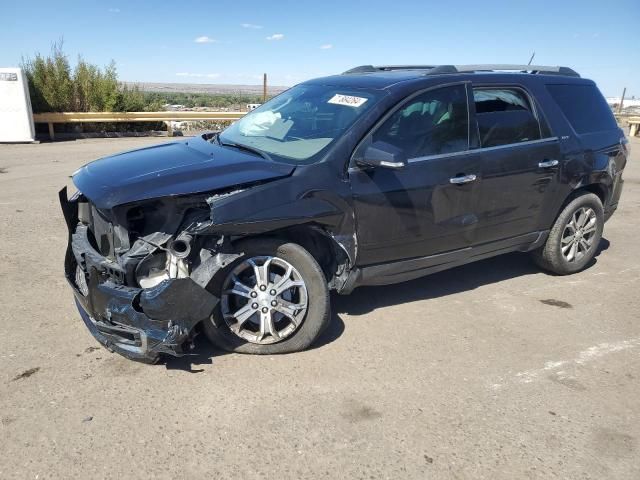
x=403 y=270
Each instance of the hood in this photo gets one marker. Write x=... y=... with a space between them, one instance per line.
x=178 y=168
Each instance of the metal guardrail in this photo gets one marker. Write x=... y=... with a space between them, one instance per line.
x=634 y=126
x=632 y=121
x=114 y=117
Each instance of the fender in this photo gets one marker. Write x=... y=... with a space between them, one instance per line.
x=269 y=207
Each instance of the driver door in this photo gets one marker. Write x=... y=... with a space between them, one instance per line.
x=429 y=206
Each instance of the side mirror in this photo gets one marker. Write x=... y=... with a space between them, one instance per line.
x=383 y=154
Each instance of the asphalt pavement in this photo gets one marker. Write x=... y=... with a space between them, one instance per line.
x=493 y=370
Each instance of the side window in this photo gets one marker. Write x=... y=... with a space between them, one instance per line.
x=504 y=116
x=585 y=107
x=432 y=123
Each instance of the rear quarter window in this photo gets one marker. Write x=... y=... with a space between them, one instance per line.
x=584 y=107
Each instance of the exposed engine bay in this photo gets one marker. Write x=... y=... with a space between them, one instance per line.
x=141 y=271
x=140 y=292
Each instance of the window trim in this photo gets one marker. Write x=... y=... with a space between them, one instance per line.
x=401 y=103
x=486 y=149
x=530 y=98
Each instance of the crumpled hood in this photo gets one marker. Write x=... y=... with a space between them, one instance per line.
x=177 y=168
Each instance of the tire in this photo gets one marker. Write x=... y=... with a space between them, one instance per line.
x=301 y=333
x=555 y=255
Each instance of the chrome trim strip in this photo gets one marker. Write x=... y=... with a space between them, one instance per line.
x=481 y=150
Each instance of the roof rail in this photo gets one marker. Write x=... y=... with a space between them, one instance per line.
x=387 y=68
x=448 y=69
x=554 y=70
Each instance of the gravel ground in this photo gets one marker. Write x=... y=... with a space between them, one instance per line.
x=493 y=370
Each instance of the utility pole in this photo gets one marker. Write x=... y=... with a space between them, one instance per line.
x=264 y=87
x=624 y=91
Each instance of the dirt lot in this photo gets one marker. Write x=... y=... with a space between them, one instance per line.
x=493 y=370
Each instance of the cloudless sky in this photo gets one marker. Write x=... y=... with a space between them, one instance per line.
x=221 y=41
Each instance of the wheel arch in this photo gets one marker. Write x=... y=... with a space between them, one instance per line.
x=597 y=188
x=320 y=243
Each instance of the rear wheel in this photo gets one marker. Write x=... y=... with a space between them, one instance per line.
x=574 y=237
x=274 y=299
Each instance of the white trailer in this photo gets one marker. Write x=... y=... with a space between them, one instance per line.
x=16 y=116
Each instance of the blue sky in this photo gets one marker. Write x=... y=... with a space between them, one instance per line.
x=222 y=41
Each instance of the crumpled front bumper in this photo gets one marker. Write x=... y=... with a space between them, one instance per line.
x=139 y=324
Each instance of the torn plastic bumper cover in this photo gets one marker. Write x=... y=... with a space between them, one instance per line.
x=137 y=323
x=141 y=324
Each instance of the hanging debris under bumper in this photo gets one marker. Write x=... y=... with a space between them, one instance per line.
x=142 y=324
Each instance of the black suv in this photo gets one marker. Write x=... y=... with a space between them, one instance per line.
x=375 y=176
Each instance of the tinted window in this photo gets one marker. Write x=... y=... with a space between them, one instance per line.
x=584 y=106
x=432 y=123
x=504 y=117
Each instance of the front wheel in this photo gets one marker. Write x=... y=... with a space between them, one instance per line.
x=274 y=299
x=574 y=237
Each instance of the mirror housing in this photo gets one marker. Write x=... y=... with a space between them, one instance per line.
x=383 y=154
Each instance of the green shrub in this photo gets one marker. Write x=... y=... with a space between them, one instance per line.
x=50 y=83
x=55 y=87
x=94 y=90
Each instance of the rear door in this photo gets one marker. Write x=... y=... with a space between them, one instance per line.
x=520 y=162
x=428 y=206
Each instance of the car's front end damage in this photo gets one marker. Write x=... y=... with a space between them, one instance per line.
x=141 y=249
x=137 y=294
x=150 y=229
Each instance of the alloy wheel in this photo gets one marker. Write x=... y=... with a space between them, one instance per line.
x=579 y=234
x=264 y=300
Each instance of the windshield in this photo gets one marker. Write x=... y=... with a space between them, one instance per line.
x=301 y=122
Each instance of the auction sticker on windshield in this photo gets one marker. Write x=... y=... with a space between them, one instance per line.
x=348 y=100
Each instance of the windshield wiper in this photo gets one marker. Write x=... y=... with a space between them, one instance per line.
x=246 y=148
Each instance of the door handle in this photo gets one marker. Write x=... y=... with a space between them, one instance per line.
x=462 y=179
x=548 y=163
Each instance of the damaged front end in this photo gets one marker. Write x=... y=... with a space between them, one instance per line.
x=140 y=293
x=150 y=229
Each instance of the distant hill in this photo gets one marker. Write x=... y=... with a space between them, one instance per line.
x=205 y=88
